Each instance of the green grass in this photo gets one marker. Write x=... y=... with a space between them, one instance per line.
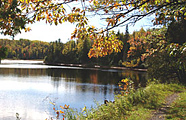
x=139 y=114
x=138 y=104
x=178 y=108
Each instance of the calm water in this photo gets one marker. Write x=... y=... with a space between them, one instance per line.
x=27 y=87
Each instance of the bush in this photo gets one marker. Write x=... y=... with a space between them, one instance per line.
x=168 y=64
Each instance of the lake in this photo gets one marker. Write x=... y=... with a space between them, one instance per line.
x=27 y=87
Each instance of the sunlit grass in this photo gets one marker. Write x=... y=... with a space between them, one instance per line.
x=136 y=105
x=139 y=113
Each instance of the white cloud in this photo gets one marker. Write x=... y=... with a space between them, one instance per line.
x=45 y=32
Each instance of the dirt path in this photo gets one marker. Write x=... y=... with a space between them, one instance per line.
x=160 y=113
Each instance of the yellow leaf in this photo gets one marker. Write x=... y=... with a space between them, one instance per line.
x=84 y=109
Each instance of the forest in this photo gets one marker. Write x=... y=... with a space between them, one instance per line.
x=58 y=52
x=74 y=51
x=25 y=49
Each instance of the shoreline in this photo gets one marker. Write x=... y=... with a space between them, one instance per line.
x=84 y=65
x=96 y=66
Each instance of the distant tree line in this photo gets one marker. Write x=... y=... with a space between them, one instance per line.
x=77 y=52
x=25 y=49
x=3 y=52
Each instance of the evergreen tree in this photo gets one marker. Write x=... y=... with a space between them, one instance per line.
x=85 y=50
x=126 y=44
x=3 y=52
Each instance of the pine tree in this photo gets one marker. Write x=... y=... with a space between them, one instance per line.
x=125 y=44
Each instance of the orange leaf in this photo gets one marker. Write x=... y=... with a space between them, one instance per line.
x=66 y=107
x=61 y=112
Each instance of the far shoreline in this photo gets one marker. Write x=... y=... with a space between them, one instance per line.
x=96 y=66
x=82 y=65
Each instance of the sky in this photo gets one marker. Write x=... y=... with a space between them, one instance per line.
x=46 y=32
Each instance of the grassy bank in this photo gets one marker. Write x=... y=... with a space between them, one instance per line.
x=139 y=104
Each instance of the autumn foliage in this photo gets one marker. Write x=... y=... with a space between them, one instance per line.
x=16 y=14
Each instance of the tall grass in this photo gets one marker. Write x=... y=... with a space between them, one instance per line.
x=133 y=106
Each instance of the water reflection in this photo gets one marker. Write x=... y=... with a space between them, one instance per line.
x=23 y=72
x=23 y=90
x=84 y=76
x=78 y=75
x=138 y=77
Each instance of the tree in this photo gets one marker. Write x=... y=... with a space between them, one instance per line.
x=3 y=52
x=83 y=48
x=126 y=44
x=12 y=18
x=168 y=64
x=25 y=49
x=115 y=13
x=176 y=31
x=165 y=60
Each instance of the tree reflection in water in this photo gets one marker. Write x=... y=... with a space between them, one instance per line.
x=101 y=77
